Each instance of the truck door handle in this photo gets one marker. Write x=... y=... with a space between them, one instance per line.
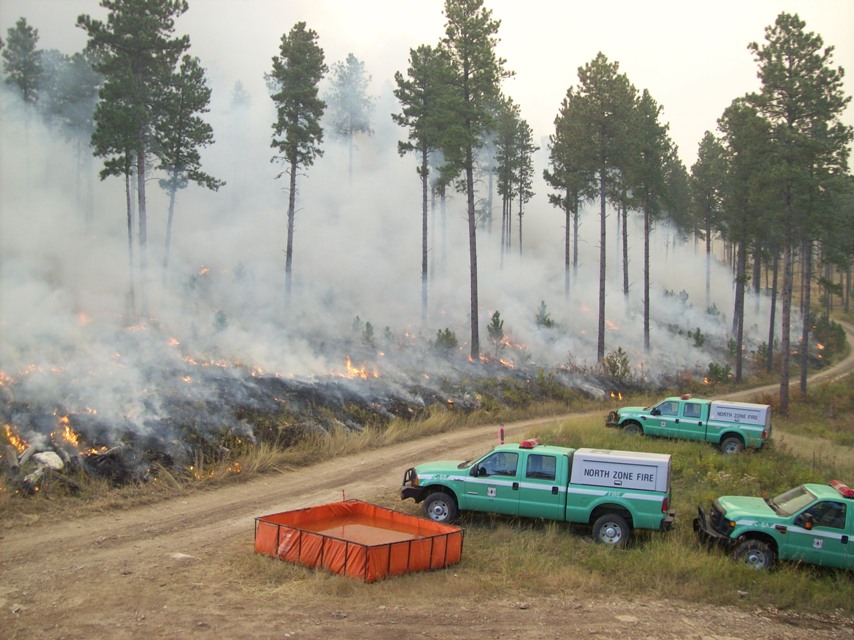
x=554 y=491
x=781 y=528
x=677 y=420
x=515 y=486
x=844 y=539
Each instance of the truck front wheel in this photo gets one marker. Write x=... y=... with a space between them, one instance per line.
x=732 y=444
x=611 y=529
x=441 y=507
x=756 y=554
x=633 y=429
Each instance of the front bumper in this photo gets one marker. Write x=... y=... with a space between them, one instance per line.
x=707 y=533
x=409 y=489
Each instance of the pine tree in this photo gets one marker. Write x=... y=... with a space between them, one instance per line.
x=181 y=133
x=606 y=102
x=419 y=93
x=802 y=97
x=22 y=61
x=647 y=181
x=470 y=41
x=297 y=132
x=748 y=152
x=350 y=106
x=568 y=176
x=136 y=53
x=707 y=183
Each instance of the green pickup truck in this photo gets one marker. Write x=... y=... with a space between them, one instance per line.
x=812 y=523
x=613 y=491
x=730 y=425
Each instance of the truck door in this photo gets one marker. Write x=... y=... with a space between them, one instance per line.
x=818 y=535
x=690 y=424
x=494 y=485
x=662 y=419
x=542 y=491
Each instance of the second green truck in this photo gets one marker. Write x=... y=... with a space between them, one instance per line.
x=612 y=491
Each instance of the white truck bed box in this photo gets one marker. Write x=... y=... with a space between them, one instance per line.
x=621 y=469
x=740 y=412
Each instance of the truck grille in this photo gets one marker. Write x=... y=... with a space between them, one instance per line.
x=716 y=518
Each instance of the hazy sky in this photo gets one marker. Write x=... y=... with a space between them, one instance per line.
x=691 y=55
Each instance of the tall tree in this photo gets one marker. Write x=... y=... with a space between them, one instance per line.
x=22 y=60
x=568 y=176
x=297 y=132
x=419 y=93
x=136 y=53
x=607 y=100
x=802 y=97
x=748 y=149
x=350 y=105
x=506 y=158
x=69 y=91
x=182 y=134
x=470 y=42
x=707 y=183
x=647 y=181
x=525 y=150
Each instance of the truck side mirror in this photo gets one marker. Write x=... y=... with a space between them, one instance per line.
x=805 y=520
x=655 y=412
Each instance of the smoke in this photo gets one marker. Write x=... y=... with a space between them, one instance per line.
x=69 y=342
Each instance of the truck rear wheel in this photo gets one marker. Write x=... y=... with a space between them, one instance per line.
x=756 y=554
x=441 y=507
x=633 y=429
x=611 y=529
x=732 y=444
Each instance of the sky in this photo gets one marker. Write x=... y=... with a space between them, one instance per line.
x=691 y=56
x=64 y=272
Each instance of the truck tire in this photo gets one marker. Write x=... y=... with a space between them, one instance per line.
x=611 y=529
x=441 y=507
x=633 y=429
x=732 y=444
x=756 y=554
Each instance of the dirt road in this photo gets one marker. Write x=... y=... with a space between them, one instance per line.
x=179 y=569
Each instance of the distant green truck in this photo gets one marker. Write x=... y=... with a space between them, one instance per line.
x=730 y=425
x=812 y=523
x=612 y=491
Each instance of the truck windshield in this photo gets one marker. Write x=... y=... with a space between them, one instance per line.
x=792 y=501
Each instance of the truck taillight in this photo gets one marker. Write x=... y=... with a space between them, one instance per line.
x=764 y=434
x=664 y=504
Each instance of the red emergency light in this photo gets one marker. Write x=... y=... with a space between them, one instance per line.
x=686 y=396
x=844 y=490
x=530 y=443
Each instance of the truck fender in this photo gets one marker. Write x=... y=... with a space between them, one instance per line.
x=436 y=488
x=603 y=509
x=632 y=427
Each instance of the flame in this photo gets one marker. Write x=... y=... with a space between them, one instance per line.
x=67 y=432
x=173 y=342
x=358 y=372
x=613 y=326
x=5 y=379
x=617 y=396
x=83 y=318
x=15 y=440
x=203 y=270
x=187 y=379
